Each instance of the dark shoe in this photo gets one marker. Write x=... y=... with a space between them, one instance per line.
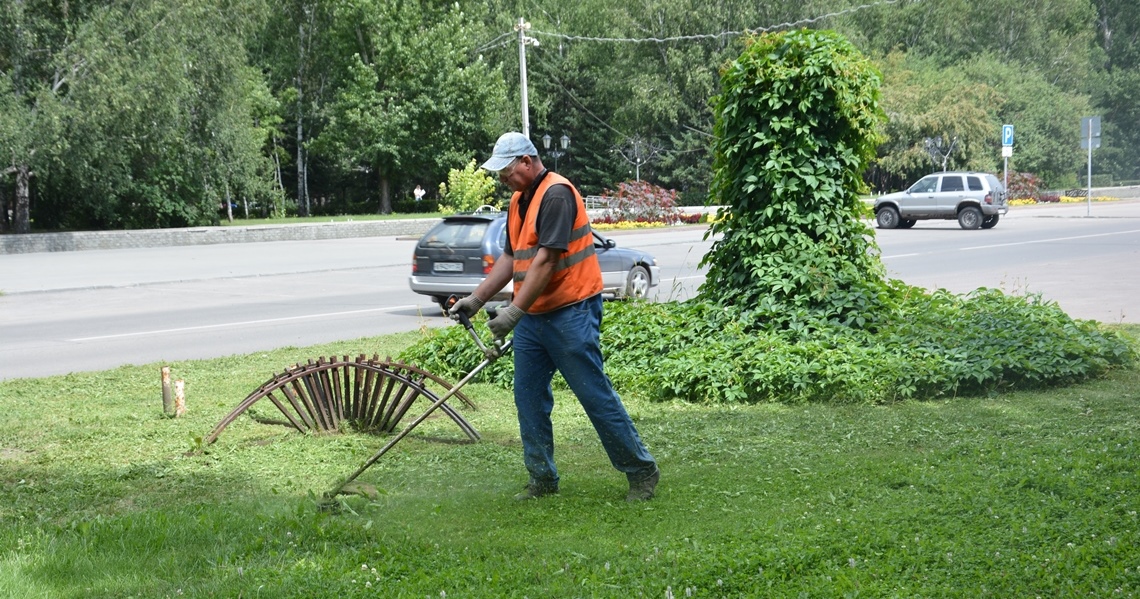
x=643 y=490
x=535 y=490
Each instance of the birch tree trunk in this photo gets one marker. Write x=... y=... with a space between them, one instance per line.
x=22 y=219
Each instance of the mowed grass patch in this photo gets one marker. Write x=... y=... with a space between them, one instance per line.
x=1019 y=494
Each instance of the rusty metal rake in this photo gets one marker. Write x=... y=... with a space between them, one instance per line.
x=365 y=393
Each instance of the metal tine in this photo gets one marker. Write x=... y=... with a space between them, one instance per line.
x=359 y=377
x=319 y=393
x=330 y=388
x=289 y=415
x=406 y=404
x=300 y=406
x=376 y=422
x=367 y=396
x=396 y=403
x=347 y=373
x=299 y=387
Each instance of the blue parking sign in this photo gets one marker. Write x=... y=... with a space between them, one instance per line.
x=1007 y=135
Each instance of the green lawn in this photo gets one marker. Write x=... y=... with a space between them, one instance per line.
x=1020 y=495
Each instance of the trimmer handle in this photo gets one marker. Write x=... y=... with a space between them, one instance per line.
x=498 y=347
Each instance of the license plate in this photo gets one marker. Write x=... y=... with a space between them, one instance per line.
x=448 y=267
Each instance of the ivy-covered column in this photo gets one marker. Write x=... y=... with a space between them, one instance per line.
x=796 y=125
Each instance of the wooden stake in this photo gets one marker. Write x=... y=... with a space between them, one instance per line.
x=167 y=400
x=179 y=398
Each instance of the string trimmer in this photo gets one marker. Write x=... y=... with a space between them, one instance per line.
x=497 y=349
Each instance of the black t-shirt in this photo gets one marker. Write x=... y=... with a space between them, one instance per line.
x=556 y=215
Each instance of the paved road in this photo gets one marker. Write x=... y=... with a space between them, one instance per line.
x=1087 y=265
x=77 y=311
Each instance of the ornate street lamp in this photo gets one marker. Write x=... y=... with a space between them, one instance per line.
x=556 y=153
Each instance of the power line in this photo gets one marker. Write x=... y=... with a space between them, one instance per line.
x=704 y=36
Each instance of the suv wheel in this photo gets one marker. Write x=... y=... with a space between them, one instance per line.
x=907 y=223
x=970 y=218
x=887 y=217
x=990 y=222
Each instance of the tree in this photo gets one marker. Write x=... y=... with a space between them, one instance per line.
x=939 y=119
x=1118 y=36
x=33 y=73
x=136 y=114
x=413 y=100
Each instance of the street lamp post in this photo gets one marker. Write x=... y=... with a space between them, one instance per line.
x=640 y=153
x=556 y=153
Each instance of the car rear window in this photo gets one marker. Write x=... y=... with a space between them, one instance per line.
x=456 y=234
x=974 y=183
x=952 y=183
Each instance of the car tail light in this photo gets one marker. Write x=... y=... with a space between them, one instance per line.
x=415 y=265
x=989 y=198
x=488 y=262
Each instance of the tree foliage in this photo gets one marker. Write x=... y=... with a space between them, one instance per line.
x=117 y=113
x=413 y=98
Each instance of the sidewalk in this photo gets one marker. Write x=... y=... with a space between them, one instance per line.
x=1129 y=208
x=146 y=238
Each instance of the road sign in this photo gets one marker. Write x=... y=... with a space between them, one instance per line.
x=1007 y=135
x=1007 y=151
x=1090 y=132
x=1090 y=127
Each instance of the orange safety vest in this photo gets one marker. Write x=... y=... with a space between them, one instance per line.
x=577 y=275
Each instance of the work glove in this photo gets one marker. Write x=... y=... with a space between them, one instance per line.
x=468 y=306
x=505 y=321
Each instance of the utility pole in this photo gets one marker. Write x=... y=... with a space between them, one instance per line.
x=522 y=28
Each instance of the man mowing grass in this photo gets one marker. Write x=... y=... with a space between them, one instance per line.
x=556 y=314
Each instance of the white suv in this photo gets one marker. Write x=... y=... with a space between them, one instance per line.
x=975 y=199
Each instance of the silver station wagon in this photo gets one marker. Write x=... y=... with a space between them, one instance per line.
x=455 y=256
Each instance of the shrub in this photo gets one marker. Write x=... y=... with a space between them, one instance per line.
x=640 y=201
x=931 y=345
x=466 y=190
x=1023 y=186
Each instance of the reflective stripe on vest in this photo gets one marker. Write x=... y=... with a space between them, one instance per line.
x=577 y=274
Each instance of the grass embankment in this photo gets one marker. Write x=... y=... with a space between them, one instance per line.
x=1017 y=495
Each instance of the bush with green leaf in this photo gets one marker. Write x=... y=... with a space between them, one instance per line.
x=466 y=190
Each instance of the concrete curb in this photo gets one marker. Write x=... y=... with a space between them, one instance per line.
x=144 y=238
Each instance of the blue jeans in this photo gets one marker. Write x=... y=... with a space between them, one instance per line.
x=567 y=340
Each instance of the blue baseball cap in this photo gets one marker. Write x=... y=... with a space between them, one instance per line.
x=511 y=145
